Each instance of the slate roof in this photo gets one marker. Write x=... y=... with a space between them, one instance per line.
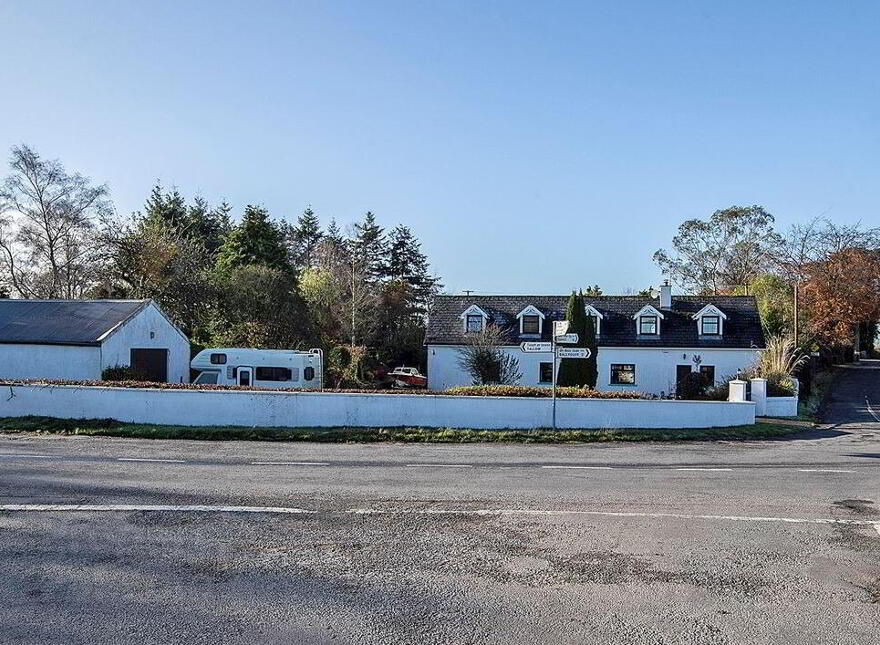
x=63 y=322
x=742 y=328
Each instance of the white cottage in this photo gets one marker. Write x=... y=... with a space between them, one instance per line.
x=645 y=344
x=78 y=339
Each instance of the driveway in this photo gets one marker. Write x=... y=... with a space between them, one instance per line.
x=854 y=401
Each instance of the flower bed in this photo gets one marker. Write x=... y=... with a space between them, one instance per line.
x=536 y=392
x=529 y=391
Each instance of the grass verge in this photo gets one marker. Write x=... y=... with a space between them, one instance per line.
x=112 y=428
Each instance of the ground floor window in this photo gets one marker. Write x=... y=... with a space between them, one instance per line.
x=708 y=374
x=545 y=373
x=623 y=374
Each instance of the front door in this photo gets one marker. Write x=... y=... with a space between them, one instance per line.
x=245 y=376
x=681 y=372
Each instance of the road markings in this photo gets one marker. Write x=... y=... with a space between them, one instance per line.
x=158 y=461
x=13 y=456
x=823 y=470
x=290 y=463
x=285 y=510
x=127 y=508
x=707 y=469
x=439 y=465
x=578 y=467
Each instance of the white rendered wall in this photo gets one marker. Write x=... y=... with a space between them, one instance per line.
x=50 y=362
x=135 y=334
x=655 y=367
x=314 y=409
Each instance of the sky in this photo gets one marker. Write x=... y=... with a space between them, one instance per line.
x=533 y=147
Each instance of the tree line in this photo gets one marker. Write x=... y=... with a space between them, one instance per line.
x=362 y=295
x=817 y=283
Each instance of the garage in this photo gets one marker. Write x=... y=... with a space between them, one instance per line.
x=79 y=339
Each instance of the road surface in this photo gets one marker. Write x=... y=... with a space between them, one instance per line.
x=136 y=541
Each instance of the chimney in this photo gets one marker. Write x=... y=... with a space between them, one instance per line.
x=666 y=295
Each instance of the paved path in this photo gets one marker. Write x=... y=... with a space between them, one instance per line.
x=123 y=541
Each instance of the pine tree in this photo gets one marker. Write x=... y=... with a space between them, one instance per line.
x=369 y=247
x=303 y=238
x=256 y=240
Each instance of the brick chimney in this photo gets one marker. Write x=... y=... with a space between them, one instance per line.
x=666 y=295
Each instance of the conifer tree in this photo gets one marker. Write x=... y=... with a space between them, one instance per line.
x=574 y=371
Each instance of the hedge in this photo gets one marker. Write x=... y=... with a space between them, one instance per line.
x=535 y=391
x=470 y=390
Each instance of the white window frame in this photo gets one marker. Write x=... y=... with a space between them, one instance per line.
x=647 y=310
x=590 y=310
x=531 y=311
x=710 y=310
x=473 y=310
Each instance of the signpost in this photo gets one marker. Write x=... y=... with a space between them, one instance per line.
x=561 y=335
x=572 y=352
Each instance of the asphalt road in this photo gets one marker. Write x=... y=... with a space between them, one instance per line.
x=131 y=541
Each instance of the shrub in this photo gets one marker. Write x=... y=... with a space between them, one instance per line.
x=691 y=387
x=122 y=373
x=781 y=357
x=486 y=361
x=780 y=385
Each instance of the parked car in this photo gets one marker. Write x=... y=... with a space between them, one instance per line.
x=404 y=377
x=269 y=368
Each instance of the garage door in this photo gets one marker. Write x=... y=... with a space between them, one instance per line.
x=151 y=363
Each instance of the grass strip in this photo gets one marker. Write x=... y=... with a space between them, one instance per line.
x=112 y=428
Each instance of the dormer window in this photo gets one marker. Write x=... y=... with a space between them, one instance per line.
x=596 y=316
x=710 y=321
x=474 y=323
x=648 y=321
x=648 y=325
x=473 y=320
x=710 y=325
x=531 y=321
x=531 y=324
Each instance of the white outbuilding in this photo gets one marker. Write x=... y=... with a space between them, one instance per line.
x=78 y=339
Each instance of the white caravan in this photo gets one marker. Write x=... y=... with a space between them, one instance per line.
x=269 y=368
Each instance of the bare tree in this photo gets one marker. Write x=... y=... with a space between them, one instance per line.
x=48 y=245
x=486 y=361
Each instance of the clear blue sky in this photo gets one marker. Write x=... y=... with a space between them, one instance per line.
x=533 y=146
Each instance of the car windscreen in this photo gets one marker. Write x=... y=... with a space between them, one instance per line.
x=207 y=378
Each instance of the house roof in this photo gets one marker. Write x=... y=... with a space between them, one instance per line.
x=742 y=329
x=63 y=322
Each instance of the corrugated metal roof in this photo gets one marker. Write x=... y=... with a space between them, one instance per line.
x=63 y=322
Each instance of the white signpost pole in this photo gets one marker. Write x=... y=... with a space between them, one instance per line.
x=553 y=349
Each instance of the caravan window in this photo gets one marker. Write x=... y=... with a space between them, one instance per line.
x=309 y=373
x=207 y=378
x=218 y=359
x=273 y=374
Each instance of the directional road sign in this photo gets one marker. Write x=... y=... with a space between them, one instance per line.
x=567 y=338
x=535 y=347
x=560 y=327
x=572 y=352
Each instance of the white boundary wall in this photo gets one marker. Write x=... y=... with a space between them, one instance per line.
x=314 y=409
